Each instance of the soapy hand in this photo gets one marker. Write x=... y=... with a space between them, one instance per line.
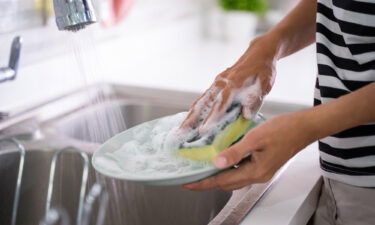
x=271 y=144
x=247 y=82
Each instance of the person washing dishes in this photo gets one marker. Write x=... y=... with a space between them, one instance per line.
x=343 y=118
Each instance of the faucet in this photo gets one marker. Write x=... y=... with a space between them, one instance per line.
x=9 y=72
x=73 y=15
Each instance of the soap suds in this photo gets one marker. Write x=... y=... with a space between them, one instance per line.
x=152 y=150
x=248 y=95
x=205 y=139
x=251 y=98
x=148 y=154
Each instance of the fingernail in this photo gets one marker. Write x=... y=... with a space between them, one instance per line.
x=221 y=162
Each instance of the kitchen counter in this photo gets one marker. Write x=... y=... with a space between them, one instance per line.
x=292 y=200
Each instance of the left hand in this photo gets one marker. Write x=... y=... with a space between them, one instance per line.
x=271 y=144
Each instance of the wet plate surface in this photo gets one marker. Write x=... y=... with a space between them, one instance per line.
x=137 y=154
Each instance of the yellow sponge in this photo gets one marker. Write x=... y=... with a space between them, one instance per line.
x=223 y=140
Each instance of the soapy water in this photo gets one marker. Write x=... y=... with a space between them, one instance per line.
x=152 y=150
x=251 y=98
x=213 y=106
x=147 y=154
x=207 y=138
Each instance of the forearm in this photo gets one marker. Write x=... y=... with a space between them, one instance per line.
x=296 y=30
x=343 y=113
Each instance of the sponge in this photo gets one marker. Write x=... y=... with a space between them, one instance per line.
x=225 y=138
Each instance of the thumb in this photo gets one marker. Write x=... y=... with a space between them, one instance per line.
x=236 y=152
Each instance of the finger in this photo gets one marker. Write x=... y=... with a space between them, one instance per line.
x=196 y=110
x=191 y=119
x=254 y=104
x=255 y=171
x=218 y=109
x=236 y=186
x=224 y=180
x=267 y=83
x=245 y=169
x=200 y=106
x=237 y=152
x=253 y=99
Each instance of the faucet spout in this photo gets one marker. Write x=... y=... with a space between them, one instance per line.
x=10 y=72
x=73 y=15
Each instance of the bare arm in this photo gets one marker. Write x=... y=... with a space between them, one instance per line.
x=296 y=30
x=256 y=68
x=343 y=113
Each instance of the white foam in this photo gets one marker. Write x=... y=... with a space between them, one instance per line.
x=149 y=154
x=152 y=151
x=215 y=129
x=249 y=96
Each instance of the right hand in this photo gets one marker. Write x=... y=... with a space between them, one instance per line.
x=246 y=82
x=271 y=144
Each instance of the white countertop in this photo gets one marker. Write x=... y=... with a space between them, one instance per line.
x=292 y=199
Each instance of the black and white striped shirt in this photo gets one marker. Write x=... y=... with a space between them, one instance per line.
x=346 y=62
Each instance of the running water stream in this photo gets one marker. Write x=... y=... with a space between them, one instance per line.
x=107 y=122
x=103 y=123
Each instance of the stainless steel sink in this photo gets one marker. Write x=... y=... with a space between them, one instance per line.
x=130 y=203
x=87 y=117
x=99 y=123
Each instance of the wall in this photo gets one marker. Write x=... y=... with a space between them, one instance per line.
x=159 y=45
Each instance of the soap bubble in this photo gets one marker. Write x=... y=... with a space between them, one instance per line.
x=152 y=151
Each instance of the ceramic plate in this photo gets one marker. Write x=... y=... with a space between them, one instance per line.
x=111 y=168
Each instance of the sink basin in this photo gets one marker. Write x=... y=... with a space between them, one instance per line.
x=97 y=123
x=129 y=203
x=100 y=122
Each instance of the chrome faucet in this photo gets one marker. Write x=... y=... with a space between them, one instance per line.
x=10 y=72
x=73 y=15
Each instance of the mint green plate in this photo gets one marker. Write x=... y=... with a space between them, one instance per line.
x=109 y=167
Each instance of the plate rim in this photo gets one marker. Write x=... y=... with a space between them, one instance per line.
x=121 y=176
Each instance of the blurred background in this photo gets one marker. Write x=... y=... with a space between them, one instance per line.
x=168 y=44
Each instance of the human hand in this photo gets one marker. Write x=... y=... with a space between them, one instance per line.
x=247 y=82
x=271 y=144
